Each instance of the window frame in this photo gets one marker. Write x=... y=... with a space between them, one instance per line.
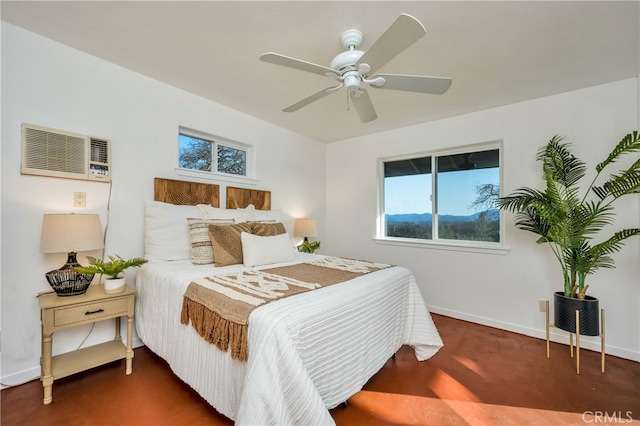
x=437 y=243
x=249 y=178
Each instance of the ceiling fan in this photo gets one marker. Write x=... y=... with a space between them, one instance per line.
x=354 y=68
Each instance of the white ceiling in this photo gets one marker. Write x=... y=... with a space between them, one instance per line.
x=496 y=52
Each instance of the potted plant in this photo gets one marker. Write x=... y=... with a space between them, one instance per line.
x=568 y=221
x=309 y=247
x=114 y=283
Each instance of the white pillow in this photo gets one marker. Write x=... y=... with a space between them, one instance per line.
x=268 y=215
x=166 y=234
x=244 y=215
x=257 y=250
x=238 y=215
x=210 y=212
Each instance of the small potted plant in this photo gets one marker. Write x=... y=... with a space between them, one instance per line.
x=309 y=247
x=114 y=283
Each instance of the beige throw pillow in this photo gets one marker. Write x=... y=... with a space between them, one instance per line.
x=227 y=246
x=267 y=229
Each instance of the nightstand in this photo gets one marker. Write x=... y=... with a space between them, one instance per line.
x=57 y=313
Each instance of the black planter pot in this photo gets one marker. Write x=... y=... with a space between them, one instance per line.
x=564 y=310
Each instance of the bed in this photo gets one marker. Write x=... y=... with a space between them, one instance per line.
x=307 y=353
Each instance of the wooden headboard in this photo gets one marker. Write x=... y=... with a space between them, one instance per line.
x=238 y=198
x=192 y=193
x=185 y=193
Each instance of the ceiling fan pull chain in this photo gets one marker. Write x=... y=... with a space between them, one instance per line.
x=347 y=101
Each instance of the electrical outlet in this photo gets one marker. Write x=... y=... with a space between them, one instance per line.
x=79 y=199
x=542 y=305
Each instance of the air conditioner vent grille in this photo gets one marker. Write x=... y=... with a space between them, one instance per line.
x=55 y=152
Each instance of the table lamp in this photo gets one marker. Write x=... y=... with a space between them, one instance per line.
x=305 y=228
x=70 y=233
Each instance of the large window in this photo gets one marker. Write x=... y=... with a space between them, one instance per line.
x=442 y=197
x=197 y=151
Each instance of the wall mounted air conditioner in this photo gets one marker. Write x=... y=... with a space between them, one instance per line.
x=56 y=153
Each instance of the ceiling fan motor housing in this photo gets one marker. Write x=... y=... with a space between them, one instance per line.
x=346 y=59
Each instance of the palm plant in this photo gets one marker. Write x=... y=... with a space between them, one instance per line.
x=567 y=220
x=113 y=268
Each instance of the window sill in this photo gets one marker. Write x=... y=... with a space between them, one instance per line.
x=440 y=245
x=216 y=176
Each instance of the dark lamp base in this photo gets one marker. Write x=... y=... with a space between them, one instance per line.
x=66 y=281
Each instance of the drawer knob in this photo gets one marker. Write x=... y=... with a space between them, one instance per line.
x=94 y=312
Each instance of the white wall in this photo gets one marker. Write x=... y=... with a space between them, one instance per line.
x=48 y=84
x=491 y=289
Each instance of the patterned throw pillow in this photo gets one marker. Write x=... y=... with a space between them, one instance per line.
x=267 y=229
x=201 y=248
x=227 y=246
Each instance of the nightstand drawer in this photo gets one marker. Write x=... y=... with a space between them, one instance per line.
x=91 y=311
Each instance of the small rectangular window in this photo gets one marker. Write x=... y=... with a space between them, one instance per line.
x=442 y=196
x=196 y=152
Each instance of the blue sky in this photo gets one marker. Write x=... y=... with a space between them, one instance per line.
x=411 y=194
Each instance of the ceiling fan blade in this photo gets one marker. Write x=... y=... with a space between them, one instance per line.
x=286 y=61
x=414 y=83
x=405 y=31
x=306 y=101
x=364 y=107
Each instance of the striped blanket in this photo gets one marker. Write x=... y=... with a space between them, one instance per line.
x=218 y=306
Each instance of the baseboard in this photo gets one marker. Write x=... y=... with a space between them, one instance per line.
x=555 y=335
x=30 y=374
x=20 y=378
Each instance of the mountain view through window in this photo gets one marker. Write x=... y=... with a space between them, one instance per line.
x=443 y=197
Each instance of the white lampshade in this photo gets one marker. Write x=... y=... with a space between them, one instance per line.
x=305 y=228
x=63 y=233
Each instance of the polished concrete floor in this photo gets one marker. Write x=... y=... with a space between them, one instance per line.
x=482 y=376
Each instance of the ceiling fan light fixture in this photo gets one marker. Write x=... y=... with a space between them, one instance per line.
x=352 y=79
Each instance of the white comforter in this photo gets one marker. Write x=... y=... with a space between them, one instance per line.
x=307 y=353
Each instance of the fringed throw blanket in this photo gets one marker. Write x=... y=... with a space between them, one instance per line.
x=219 y=306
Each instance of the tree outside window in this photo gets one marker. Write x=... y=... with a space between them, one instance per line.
x=232 y=160
x=195 y=154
